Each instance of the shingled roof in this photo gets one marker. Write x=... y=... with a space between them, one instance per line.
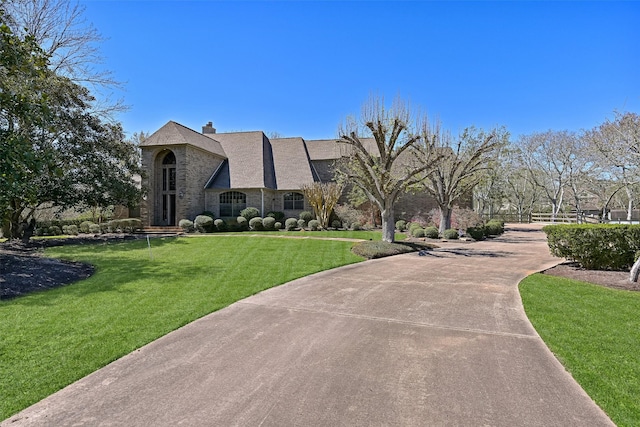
x=174 y=133
x=250 y=161
x=331 y=149
x=291 y=163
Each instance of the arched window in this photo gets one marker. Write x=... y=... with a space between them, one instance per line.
x=232 y=202
x=293 y=201
x=169 y=159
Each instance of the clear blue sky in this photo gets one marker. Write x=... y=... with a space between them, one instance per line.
x=299 y=68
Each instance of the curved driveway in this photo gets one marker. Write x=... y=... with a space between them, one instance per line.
x=413 y=340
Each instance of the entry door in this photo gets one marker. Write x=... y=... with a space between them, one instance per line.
x=169 y=195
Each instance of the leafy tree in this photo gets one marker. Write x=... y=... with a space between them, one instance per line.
x=384 y=155
x=55 y=150
x=462 y=166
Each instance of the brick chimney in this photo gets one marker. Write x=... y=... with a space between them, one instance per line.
x=208 y=128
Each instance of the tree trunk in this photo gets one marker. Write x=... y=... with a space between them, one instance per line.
x=445 y=218
x=635 y=271
x=388 y=226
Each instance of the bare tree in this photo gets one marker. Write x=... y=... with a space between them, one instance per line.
x=384 y=155
x=462 y=166
x=323 y=197
x=554 y=159
x=617 y=144
x=70 y=42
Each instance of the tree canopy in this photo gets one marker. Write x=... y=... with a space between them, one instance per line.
x=55 y=149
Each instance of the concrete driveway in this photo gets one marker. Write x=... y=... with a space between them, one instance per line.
x=432 y=340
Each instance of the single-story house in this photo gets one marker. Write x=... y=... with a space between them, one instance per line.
x=188 y=172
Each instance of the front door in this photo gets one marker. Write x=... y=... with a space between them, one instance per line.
x=169 y=190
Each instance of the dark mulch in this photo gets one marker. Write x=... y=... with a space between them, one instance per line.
x=23 y=269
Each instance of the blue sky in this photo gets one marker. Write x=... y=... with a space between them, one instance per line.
x=299 y=68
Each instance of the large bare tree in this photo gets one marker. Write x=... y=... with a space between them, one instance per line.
x=384 y=154
x=464 y=162
x=617 y=144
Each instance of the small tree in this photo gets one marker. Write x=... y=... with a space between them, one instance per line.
x=384 y=155
x=323 y=197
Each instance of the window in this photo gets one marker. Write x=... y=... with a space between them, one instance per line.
x=293 y=201
x=232 y=202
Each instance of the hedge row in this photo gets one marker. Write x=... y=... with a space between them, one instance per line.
x=595 y=246
x=75 y=227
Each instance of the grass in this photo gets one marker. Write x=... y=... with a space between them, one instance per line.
x=341 y=234
x=595 y=333
x=52 y=338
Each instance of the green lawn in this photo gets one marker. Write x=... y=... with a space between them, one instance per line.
x=343 y=234
x=52 y=338
x=595 y=333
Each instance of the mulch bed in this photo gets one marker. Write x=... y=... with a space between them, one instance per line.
x=23 y=269
x=610 y=279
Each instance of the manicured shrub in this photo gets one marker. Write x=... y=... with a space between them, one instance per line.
x=277 y=225
x=113 y=226
x=476 y=233
x=450 y=234
x=84 y=226
x=256 y=224
x=203 y=223
x=291 y=224
x=306 y=216
x=414 y=225
x=401 y=225
x=356 y=226
x=277 y=215
x=494 y=227
x=186 y=225
x=418 y=232
x=314 y=225
x=595 y=246
x=220 y=225
x=269 y=223
x=336 y=223
x=249 y=213
x=209 y=213
x=72 y=230
x=431 y=232
x=242 y=223
x=302 y=223
x=54 y=230
x=132 y=224
x=93 y=229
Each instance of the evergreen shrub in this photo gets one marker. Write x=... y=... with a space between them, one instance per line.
x=186 y=225
x=306 y=216
x=243 y=223
x=203 y=223
x=314 y=225
x=220 y=225
x=269 y=223
x=249 y=213
x=256 y=224
x=595 y=246
x=431 y=232
x=450 y=234
x=291 y=224
x=401 y=225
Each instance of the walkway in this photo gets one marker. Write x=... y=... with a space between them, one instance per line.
x=411 y=340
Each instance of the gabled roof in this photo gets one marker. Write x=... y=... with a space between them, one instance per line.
x=332 y=149
x=250 y=161
x=291 y=163
x=174 y=133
